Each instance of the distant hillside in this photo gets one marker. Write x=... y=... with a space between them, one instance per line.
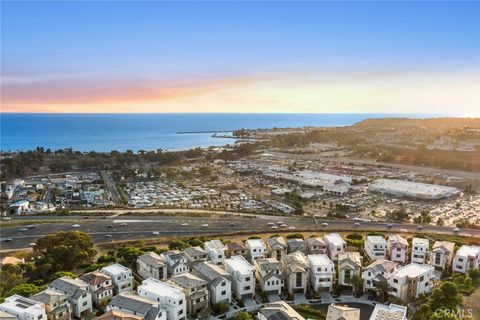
x=444 y=123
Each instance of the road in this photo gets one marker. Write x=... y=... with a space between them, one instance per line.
x=107 y=177
x=141 y=227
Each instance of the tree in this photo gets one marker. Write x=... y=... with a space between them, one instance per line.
x=178 y=245
x=129 y=254
x=337 y=289
x=440 y=222
x=383 y=289
x=10 y=276
x=60 y=274
x=66 y=249
x=357 y=283
x=25 y=289
x=243 y=315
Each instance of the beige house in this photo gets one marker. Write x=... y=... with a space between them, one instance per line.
x=56 y=304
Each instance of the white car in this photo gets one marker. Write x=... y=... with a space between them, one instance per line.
x=283 y=225
x=23 y=229
x=356 y=224
x=205 y=225
x=280 y=222
x=273 y=227
x=156 y=233
x=291 y=228
x=76 y=226
x=123 y=224
x=456 y=230
x=184 y=224
x=108 y=236
x=33 y=244
x=270 y=224
x=6 y=218
x=324 y=224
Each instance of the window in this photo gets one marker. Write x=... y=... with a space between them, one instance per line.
x=421 y=278
x=246 y=288
x=298 y=279
x=224 y=292
x=180 y=302
x=398 y=255
x=395 y=280
x=224 y=284
x=85 y=303
x=247 y=279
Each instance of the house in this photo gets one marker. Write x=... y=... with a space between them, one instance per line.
x=296 y=245
x=129 y=303
x=216 y=251
x=236 y=249
x=295 y=272
x=23 y=308
x=412 y=280
x=393 y=312
x=466 y=258
x=195 y=255
x=375 y=247
x=339 y=312
x=119 y=315
x=11 y=260
x=397 y=248
x=122 y=278
x=269 y=275
x=7 y=316
x=378 y=271
x=177 y=262
x=151 y=265
x=242 y=276
x=256 y=249
x=170 y=297
x=335 y=245
x=55 y=303
x=76 y=291
x=278 y=310
x=420 y=250
x=322 y=272
x=196 y=292
x=218 y=282
x=349 y=265
x=442 y=254
x=316 y=245
x=99 y=285
x=276 y=247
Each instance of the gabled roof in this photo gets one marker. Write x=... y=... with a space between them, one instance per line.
x=349 y=259
x=236 y=246
x=195 y=251
x=210 y=271
x=188 y=280
x=317 y=241
x=73 y=288
x=381 y=265
x=295 y=262
x=94 y=278
x=48 y=296
x=132 y=302
x=395 y=238
x=277 y=243
x=445 y=246
x=152 y=259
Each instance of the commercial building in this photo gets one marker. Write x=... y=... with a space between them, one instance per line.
x=402 y=188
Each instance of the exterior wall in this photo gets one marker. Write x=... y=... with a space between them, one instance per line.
x=398 y=253
x=147 y=271
x=176 y=308
x=375 y=251
x=294 y=286
x=82 y=305
x=222 y=292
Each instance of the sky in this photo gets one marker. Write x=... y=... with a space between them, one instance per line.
x=224 y=56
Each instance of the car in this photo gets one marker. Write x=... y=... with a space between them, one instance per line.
x=324 y=224
x=123 y=224
x=232 y=224
x=356 y=224
x=456 y=230
x=155 y=233
x=205 y=225
x=76 y=226
x=273 y=227
x=86 y=218
x=184 y=224
x=270 y=224
x=31 y=226
x=291 y=228
x=6 y=218
x=33 y=244
x=109 y=226
x=23 y=229
x=280 y=222
x=389 y=225
x=8 y=240
x=108 y=236
x=283 y=225
x=419 y=227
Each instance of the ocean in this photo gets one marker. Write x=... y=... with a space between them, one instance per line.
x=106 y=132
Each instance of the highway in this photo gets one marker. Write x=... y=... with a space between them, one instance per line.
x=142 y=227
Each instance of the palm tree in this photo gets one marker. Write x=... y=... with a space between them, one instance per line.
x=383 y=288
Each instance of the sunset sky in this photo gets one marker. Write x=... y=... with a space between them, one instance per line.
x=389 y=57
